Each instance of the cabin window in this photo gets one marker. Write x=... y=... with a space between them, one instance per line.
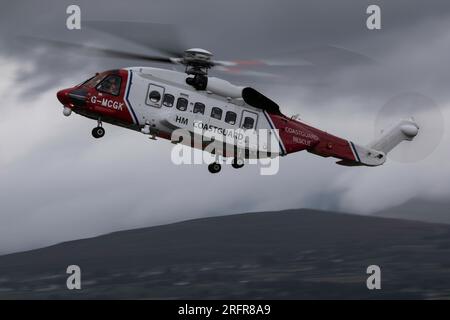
x=168 y=100
x=230 y=117
x=182 y=104
x=154 y=96
x=199 y=108
x=248 y=123
x=111 y=85
x=216 y=113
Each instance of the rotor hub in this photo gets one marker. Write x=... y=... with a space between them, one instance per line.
x=198 y=54
x=197 y=61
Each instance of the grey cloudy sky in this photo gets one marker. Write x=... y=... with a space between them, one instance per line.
x=58 y=184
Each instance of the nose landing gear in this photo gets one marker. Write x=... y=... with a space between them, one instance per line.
x=98 y=132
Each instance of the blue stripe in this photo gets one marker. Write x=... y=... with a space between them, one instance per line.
x=128 y=93
x=283 y=152
x=354 y=150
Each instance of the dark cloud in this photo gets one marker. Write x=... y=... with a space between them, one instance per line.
x=253 y=29
x=59 y=184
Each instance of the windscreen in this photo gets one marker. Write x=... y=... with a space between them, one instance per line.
x=94 y=81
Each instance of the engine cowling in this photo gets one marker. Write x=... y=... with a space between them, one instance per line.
x=224 y=88
x=251 y=96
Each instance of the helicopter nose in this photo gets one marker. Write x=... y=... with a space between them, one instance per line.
x=63 y=96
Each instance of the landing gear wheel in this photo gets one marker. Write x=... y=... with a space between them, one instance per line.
x=98 y=132
x=214 y=167
x=237 y=163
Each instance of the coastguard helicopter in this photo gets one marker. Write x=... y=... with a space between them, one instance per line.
x=156 y=102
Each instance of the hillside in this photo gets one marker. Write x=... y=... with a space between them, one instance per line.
x=274 y=255
x=420 y=210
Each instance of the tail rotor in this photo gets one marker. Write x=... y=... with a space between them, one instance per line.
x=422 y=127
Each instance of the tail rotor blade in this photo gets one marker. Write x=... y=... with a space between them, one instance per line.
x=423 y=111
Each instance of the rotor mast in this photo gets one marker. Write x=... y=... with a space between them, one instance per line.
x=198 y=62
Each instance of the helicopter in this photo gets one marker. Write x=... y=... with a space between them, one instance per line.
x=158 y=101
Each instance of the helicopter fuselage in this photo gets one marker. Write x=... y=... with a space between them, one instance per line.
x=158 y=101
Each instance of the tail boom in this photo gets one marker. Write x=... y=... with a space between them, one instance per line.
x=374 y=154
x=297 y=136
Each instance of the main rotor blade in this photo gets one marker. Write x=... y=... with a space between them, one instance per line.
x=163 y=37
x=323 y=55
x=334 y=56
x=104 y=51
x=317 y=59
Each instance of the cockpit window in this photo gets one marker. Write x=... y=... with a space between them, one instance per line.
x=110 y=85
x=85 y=82
x=95 y=80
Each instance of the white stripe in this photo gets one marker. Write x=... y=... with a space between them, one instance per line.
x=125 y=96
x=353 y=150
x=276 y=132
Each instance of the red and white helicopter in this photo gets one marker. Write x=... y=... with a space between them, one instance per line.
x=157 y=102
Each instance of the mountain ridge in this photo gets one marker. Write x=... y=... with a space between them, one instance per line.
x=274 y=255
x=417 y=209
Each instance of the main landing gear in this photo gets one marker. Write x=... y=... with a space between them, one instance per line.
x=237 y=163
x=215 y=167
x=98 y=132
